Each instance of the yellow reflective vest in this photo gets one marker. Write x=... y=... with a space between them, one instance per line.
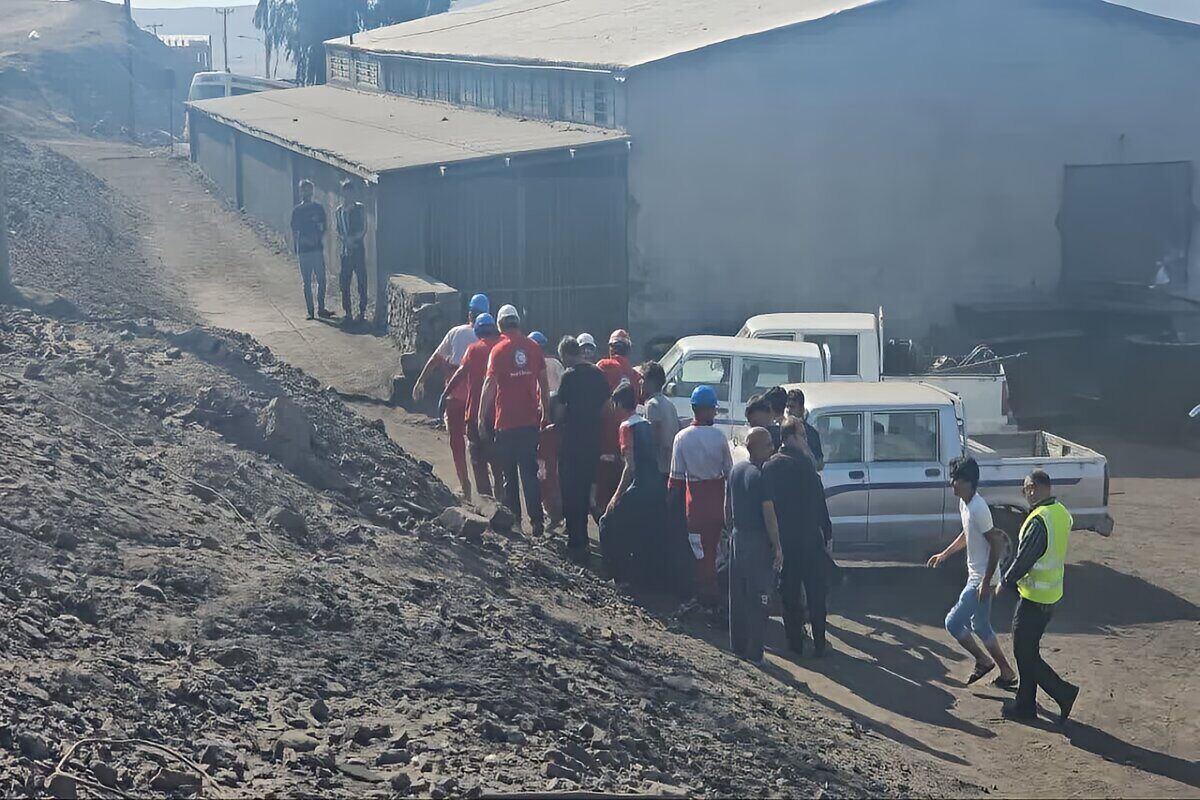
x=1044 y=581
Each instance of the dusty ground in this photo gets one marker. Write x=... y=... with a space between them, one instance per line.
x=1129 y=630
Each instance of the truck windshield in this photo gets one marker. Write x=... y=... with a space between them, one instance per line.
x=843 y=351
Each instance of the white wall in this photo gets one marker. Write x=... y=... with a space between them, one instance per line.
x=908 y=155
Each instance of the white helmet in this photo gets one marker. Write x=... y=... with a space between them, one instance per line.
x=585 y=340
x=507 y=312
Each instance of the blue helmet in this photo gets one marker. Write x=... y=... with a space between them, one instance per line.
x=704 y=397
x=540 y=338
x=480 y=304
x=484 y=320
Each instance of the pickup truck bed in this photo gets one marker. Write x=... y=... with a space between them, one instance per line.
x=1080 y=474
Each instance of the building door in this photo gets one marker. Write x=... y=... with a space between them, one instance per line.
x=1123 y=223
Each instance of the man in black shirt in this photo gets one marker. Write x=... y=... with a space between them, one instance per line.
x=352 y=234
x=308 y=239
x=582 y=395
x=755 y=549
x=795 y=409
x=805 y=531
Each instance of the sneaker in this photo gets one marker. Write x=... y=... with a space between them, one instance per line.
x=309 y=316
x=1064 y=709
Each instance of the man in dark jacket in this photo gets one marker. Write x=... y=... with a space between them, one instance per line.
x=582 y=395
x=805 y=532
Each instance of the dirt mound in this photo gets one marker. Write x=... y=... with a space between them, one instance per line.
x=217 y=577
x=80 y=63
x=72 y=236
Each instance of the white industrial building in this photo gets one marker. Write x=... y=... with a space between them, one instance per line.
x=779 y=154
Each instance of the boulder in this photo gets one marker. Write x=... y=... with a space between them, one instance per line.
x=286 y=429
x=464 y=523
x=289 y=521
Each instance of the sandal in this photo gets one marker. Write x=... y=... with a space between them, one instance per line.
x=979 y=672
x=1009 y=684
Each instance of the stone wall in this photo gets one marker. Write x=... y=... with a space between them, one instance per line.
x=420 y=310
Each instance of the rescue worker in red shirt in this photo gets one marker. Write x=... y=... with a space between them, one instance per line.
x=468 y=382
x=700 y=462
x=617 y=370
x=446 y=359
x=516 y=384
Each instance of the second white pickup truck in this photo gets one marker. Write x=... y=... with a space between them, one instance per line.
x=888 y=448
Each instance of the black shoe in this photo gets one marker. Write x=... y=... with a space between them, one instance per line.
x=1064 y=708
x=797 y=646
x=327 y=314
x=820 y=649
x=1010 y=711
x=310 y=316
x=579 y=555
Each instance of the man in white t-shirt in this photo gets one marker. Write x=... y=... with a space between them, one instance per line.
x=983 y=542
x=447 y=358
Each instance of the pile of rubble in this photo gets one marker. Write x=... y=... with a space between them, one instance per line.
x=217 y=580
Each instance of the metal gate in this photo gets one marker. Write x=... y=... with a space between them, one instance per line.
x=550 y=239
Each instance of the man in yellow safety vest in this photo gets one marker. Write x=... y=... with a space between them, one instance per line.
x=1036 y=575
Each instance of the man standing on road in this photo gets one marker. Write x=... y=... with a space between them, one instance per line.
x=757 y=556
x=1037 y=576
x=516 y=383
x=700 y=462
x=446 y=359
x=617 y=370
x=812 y=440
x=469 y=381
x=308 y=237
x=579 y=403
x=806 y=533
x=983 y=542
x=352 y=233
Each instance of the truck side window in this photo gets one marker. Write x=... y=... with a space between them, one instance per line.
x=905 y=436
x=760 y=374
x=843 y=351
x=841 y=438
x=713 y=371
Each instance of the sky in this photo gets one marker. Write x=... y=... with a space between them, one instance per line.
x=186 y=3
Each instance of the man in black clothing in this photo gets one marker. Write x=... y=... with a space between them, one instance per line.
x=352 y=233
x=308 y=239
x=1037 y=574
x=805 y=532
x=795 y=410
x=758 y=415
x=582 y=395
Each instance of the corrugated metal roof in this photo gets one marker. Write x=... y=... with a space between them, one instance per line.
x=618 y=34
x=369 y=134
x=609 y=34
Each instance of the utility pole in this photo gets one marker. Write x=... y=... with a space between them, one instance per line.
x=129 y=10
x=154 y=26
x=225 y=12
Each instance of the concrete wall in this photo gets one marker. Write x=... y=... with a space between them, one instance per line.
x=267 y=185
x=908 y=155
x=212 y=150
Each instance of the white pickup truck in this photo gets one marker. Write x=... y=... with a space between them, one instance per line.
x=737 y=369
x=855 y=347
x=888 y=448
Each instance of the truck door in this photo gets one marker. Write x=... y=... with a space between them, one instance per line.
x=757 y=375
x=845 y=474
x=908 y=482
x=698 y=369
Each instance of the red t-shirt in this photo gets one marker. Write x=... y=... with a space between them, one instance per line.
x=616 y=369
x=474 y=369
x=515 y=364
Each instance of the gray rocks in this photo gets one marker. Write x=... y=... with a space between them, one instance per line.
x=360 y=773
x=170 y=780
x=502 y=520
x=365 y=734
x=464 y=523
x=33 y=746
x=147 y=589
x=289 y=521
x=296 y=740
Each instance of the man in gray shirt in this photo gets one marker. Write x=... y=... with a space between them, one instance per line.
x=661 y=414
x=756 y=553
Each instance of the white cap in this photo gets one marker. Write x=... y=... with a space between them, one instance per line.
x=585 y=340
x=507 y=312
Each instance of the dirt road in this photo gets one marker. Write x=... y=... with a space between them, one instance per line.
x=1128 y=630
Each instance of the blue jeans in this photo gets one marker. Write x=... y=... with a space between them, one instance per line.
x=969 y=613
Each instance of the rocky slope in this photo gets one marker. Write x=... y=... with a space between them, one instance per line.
x=216 y=579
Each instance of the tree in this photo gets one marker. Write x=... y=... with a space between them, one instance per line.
x=301 y=27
